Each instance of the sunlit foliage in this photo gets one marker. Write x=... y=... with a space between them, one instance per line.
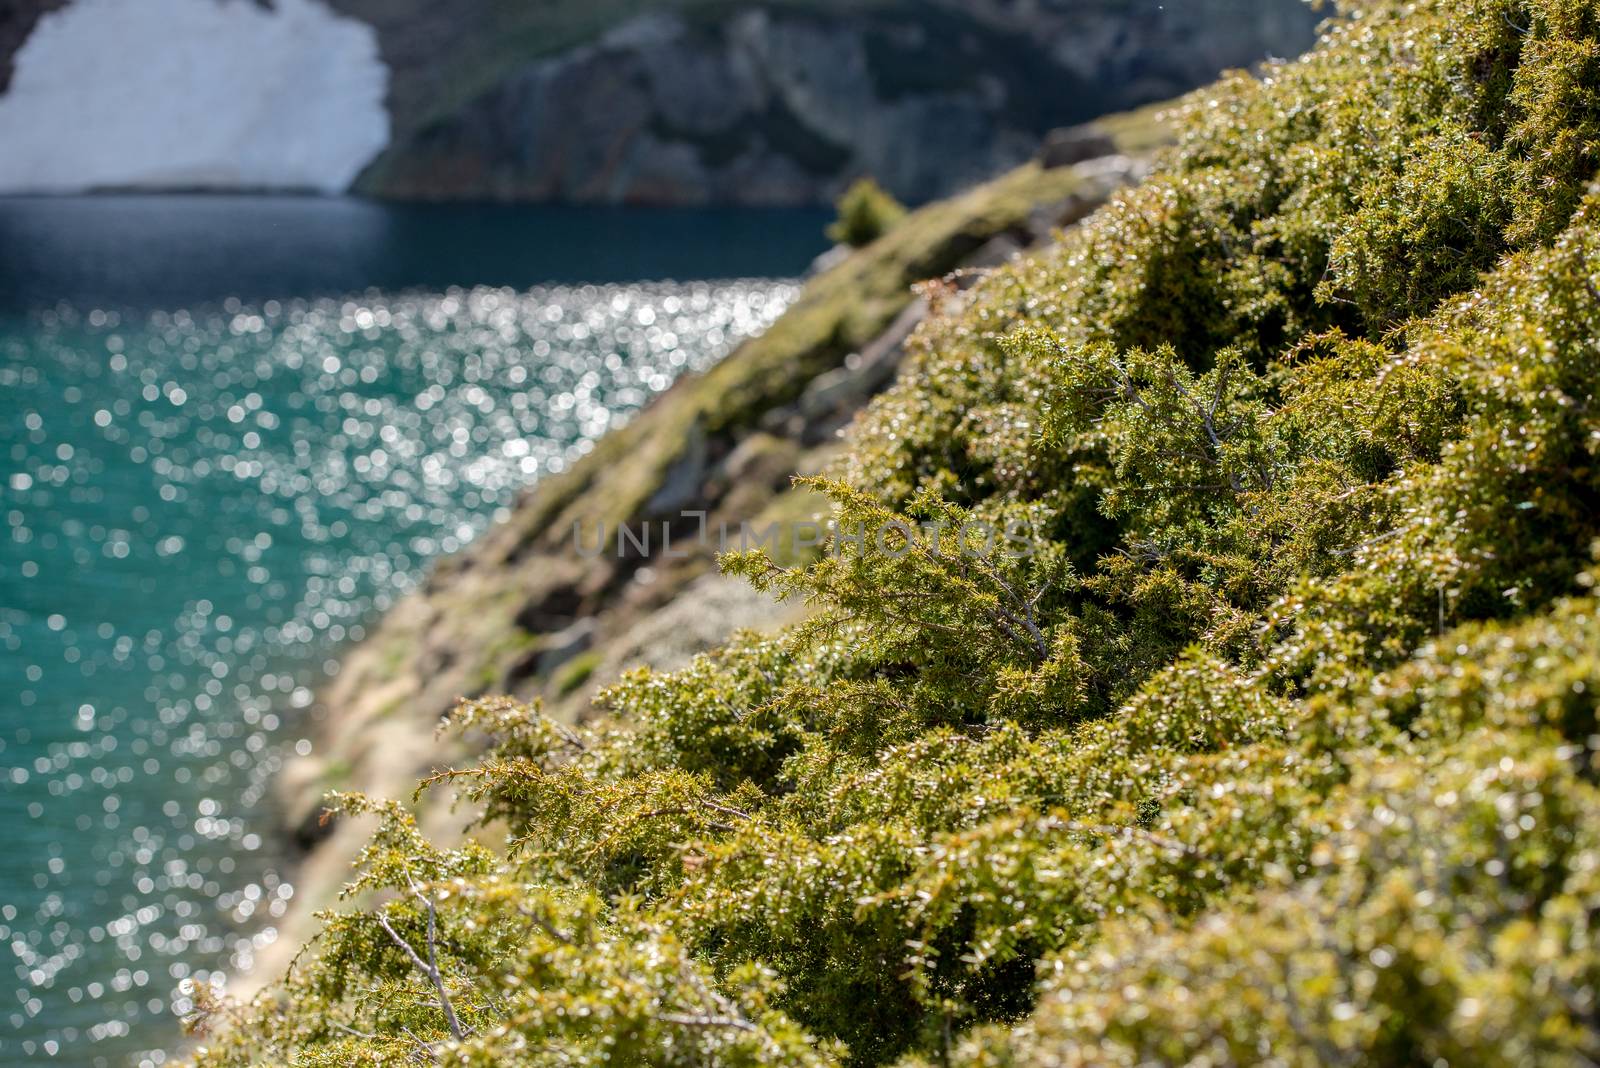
x=866 y=212
x=1278 y=747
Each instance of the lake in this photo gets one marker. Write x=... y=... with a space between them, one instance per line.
x=232 y=431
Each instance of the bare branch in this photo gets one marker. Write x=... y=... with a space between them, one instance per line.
x=423 y=1053
x=684 y=1019
x=684 y=810
x=429 y=967
x=545 y=926
x=1136 y=833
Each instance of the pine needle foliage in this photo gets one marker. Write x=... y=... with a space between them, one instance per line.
x=1278 y=747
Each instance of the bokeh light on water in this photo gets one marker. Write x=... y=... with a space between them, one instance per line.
x=199 y=509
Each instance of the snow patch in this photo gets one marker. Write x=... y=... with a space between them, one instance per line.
x=214 y=94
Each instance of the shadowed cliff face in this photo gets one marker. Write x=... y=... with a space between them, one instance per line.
x=783 y=103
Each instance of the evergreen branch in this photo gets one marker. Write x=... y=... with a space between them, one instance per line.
x=429 y=967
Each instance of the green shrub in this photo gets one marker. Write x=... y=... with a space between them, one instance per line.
x=1277 y=747
x=866 y=213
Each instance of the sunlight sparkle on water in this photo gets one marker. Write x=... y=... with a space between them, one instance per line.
x=199 y=507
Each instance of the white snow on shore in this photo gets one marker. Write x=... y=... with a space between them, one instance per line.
x=215 y=94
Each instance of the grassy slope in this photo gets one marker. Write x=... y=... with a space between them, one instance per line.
x=836 y=314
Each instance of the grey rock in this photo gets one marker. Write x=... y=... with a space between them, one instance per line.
x=833 y=398
x=702 y=617
x=685 y=475
x=997 y=250
x=1075 y=144
x=761 y=458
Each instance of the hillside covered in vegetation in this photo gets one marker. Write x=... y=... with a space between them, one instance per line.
x=1277 y=744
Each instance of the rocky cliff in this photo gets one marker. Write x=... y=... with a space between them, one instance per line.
x=17 y=20
x=784 y=103
x=609 y=101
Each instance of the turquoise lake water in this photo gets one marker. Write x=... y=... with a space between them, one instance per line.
x=232 y=431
